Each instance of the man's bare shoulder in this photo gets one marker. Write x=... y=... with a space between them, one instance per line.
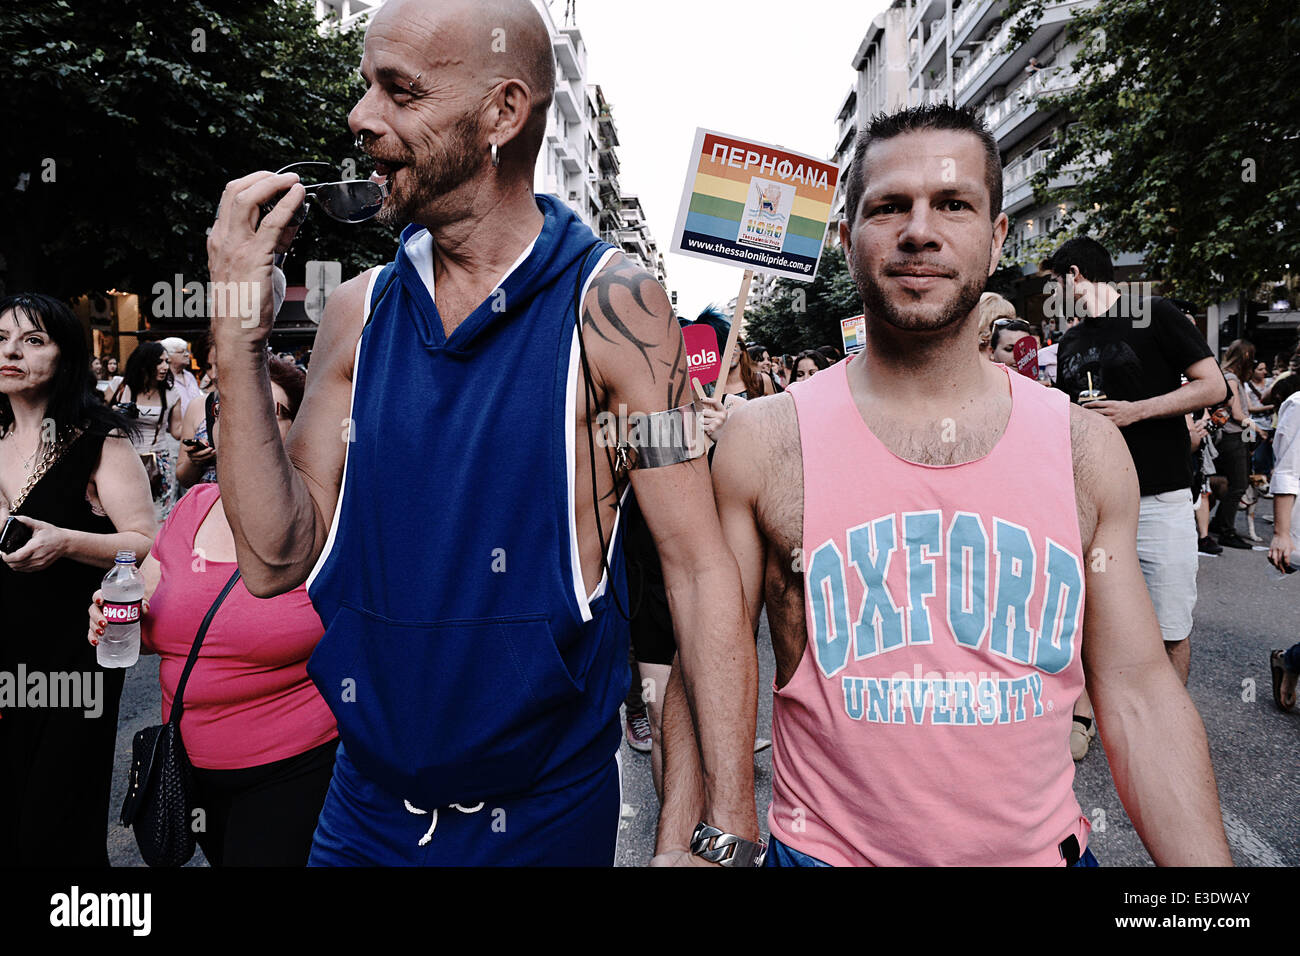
x=340 y=326
x=761 y=444
x=761 y=440
x=764 y=425
x=1103 y=466
x=634 y=337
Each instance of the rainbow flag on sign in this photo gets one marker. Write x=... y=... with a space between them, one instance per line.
x=755 y=205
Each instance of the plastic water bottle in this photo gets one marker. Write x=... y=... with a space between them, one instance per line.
x=119 y=646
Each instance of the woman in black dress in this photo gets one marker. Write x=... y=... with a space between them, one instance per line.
x=69 y=474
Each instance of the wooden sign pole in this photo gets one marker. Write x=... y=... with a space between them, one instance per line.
x=720 y=389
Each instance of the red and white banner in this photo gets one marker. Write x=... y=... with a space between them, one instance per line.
x=702 y=361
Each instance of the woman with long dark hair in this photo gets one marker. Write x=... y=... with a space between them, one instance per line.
x=70 y=479
x=148 y=395
x=1233 y=460
x=809 y=363
x=1261 y=413
x=762 y=359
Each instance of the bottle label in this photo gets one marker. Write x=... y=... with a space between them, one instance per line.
x=121 y=613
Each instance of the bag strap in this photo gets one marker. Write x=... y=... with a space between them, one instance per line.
x=163 y=409
x=178 y=698
x=209 y=414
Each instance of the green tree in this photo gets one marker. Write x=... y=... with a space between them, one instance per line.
x=804 y=315
x=127 y=119
x=1187 y=135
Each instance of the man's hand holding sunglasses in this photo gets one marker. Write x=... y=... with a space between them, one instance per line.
x=241 y=253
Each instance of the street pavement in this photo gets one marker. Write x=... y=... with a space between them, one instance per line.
x=1245 y=609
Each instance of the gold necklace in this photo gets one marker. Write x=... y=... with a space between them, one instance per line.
x=49 y=455
x=27 y=462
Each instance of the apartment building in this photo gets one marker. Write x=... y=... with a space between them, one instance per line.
x=880 y=85
x=956 y=51
x=637 y=241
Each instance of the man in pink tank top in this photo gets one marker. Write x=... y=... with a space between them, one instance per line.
x=928 y=616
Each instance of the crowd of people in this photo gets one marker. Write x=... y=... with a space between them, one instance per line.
x=430 y=613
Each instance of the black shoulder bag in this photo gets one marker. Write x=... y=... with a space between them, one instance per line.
x=160 y=792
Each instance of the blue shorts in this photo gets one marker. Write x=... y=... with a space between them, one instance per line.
x=778 y=854
x=363 y=825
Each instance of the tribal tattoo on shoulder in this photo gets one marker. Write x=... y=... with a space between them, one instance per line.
x=665 y=359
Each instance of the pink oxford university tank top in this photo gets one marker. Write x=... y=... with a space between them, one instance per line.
x=928 y=720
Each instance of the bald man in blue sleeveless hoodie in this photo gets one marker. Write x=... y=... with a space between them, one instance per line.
x=441 y=492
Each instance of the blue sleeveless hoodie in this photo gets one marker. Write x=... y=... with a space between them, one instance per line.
x=456 y=656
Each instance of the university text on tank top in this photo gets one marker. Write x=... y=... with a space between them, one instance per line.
x=928 y=720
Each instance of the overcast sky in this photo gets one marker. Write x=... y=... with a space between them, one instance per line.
x=761 y=69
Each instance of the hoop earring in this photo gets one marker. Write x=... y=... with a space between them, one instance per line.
x=496 y=156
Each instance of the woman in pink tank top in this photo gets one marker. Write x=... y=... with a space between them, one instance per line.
x=257 y=731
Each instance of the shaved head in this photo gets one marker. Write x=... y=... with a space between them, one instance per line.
x=454 y=89
x=495 y=40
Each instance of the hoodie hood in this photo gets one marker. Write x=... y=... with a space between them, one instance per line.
x=563 y=240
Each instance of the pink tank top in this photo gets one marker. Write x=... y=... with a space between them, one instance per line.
x=249 y=700
x=928 y=720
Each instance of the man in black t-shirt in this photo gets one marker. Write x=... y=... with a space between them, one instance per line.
x=1137 y=348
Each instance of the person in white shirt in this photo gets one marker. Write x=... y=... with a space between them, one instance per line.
x=178 y=357
x=1284 y=550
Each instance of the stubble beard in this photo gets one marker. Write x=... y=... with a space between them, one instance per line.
x=424 y=180
x=914 y=317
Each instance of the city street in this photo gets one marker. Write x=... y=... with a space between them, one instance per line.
x=1245 y=609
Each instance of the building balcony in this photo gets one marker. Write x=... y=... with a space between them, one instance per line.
x=608 y=132
x=1010 y=118
x=609 y=193
x=1017 y=180
x=994 y=65
x=925 y=10
x=609 y=164
x=610 y=220
x=974 y=17
x=931 y=53
x=633 y=243
x=568 y=103
x=567 y=54
x=848 y=132
x=569 y=158
x=991 y=50
x=849 y=107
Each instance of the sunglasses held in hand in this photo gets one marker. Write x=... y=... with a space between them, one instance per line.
x=351 y=200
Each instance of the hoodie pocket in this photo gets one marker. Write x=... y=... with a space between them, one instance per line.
x=452 y=711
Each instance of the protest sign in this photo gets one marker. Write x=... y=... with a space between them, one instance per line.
x=755 y=205
x=854 y=333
